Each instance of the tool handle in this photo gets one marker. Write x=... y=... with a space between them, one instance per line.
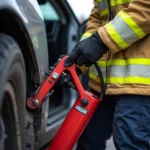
x=79 y=115
x=36 y=100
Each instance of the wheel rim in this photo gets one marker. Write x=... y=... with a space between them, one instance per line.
x=10 y=118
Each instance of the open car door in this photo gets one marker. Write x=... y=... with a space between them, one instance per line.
x=64 y=29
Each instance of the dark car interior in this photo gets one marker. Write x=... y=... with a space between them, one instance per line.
x=56 y=29
x=57 y=25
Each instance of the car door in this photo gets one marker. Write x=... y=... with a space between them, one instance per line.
x=82 y=13
x=64 y=29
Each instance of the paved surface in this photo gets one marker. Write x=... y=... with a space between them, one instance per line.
x=110 y=145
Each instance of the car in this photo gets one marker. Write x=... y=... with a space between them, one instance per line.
x=33 y=34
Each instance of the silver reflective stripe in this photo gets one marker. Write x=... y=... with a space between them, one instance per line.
x=102 y=5
x=124 y=30
x=103 y=72
x=94 y=71
x=126 y=71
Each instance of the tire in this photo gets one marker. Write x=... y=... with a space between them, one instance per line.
x=12 y=93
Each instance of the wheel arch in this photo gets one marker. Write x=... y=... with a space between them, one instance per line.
x=12 y=25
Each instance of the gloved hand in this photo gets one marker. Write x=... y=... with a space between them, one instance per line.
x=87 y=52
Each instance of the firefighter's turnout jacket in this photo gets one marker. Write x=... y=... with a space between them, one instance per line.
x=124 y=26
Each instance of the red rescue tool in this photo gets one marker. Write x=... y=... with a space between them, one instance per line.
x=81 y=111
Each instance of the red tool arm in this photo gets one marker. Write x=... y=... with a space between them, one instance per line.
x=35 y=101
x=80 y=113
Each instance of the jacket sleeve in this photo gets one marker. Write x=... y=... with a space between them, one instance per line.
x=128 y=26
x=94 y=22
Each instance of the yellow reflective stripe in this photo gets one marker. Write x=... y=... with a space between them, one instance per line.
x=132 y=24
x=96 y=78
x=135 y=80
x=125 y=80
x=103 y=12
x=99 y=1
x=124 y=30
x=118 y=2
x=120 y=62
x=128 y=34
x=87 y=34
x=115 y=36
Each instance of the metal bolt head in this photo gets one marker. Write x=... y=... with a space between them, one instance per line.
x=35 y=102
x=55 y=75
x=64 y=73
x=84 y=102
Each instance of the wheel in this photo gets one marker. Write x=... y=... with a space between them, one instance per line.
x=12 y=93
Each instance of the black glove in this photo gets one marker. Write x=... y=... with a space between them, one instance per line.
x=87 y=52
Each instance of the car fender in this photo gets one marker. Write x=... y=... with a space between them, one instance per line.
x=28 y=14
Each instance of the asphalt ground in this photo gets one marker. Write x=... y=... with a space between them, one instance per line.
x=110 y=145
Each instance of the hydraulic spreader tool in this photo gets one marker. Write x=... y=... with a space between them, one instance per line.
x=81 y=111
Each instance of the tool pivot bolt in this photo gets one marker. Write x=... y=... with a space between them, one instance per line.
x=35 y=102
x=55 y=75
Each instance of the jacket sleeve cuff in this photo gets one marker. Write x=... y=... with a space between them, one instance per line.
x=108 y=41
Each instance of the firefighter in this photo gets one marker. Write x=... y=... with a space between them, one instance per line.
x=118 y=38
